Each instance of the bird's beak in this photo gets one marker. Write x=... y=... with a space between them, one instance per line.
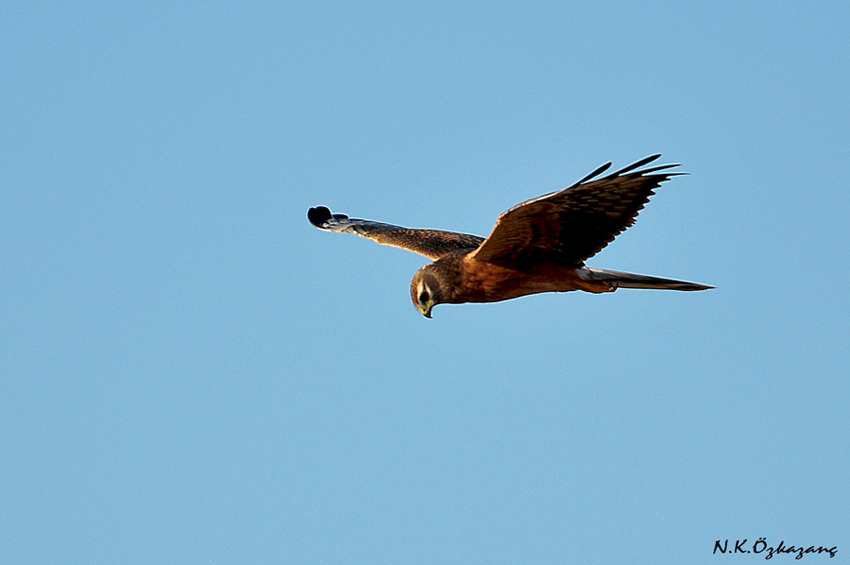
x=426 y=310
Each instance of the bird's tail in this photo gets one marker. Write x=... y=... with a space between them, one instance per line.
x=630 y=280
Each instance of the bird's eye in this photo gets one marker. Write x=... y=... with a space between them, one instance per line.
x=423 y=298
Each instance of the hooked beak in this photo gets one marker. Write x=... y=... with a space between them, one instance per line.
x=426 y=310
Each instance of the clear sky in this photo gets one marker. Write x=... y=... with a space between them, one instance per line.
x=191 y=373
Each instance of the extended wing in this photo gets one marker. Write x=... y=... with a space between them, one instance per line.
x=567 y=227
x=430 y=243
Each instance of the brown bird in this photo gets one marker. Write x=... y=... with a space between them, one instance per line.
x=537 y=246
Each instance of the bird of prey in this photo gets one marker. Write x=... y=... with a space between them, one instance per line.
x=537 y=246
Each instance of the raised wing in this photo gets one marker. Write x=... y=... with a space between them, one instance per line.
x=430 y=243
x=567 y=227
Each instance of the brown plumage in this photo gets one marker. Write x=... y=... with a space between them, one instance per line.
x=537 y=246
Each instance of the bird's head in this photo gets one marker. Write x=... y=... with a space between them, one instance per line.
x=426 y=290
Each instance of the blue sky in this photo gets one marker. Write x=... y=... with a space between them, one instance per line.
x=190 y=373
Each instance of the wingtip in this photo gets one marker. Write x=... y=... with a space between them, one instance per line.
x=694 y=287
x=629 y=169
x=319 y=215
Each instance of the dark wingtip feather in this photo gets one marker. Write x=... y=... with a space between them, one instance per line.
x=692 y=287
x=598 y=171
x=646 y=172
x=634 y=166
x=319 y=215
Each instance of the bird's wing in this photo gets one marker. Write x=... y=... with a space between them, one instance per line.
x=430 y=243
x=566 y=227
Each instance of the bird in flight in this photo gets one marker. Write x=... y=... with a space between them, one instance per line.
x=537 y=246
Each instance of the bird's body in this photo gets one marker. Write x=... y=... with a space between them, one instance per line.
x=486 y=282
x=537 y=246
